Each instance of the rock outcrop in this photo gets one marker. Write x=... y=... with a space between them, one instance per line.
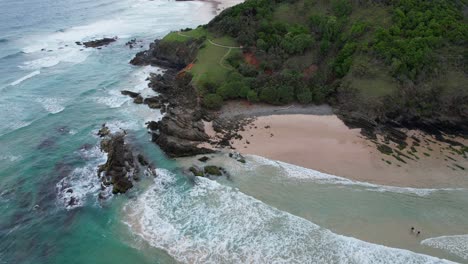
x=174 y=55
x=181 y=131
x=122 y=167
x=97 y=43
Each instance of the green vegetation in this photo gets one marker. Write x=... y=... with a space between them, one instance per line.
x=213 y=170
x=212 y=101
x=382 y=59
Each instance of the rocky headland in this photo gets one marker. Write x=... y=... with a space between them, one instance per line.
x=181 y=131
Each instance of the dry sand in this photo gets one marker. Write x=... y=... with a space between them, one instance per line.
x=220 y=5
x=324 y=143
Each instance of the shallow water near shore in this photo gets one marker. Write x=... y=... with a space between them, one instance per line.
x=53 y=101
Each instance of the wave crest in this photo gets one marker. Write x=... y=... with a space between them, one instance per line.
x=211 y=223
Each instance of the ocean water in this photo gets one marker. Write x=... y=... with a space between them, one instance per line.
x=54 y=96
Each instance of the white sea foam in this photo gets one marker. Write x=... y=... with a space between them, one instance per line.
x=211 y=223
x=140 y=80
x=136 y=18
x=301 y=173
x=120 y=126
x=113 y=100
x=52 y=105
x=11 y=158
x=22 y=79
x=457 y=244
x=82 y=181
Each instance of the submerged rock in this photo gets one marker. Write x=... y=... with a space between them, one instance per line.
x=237 y=156
x=213 y=170
x=196 y=171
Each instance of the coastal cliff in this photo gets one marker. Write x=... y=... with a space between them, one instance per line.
x=181 y=130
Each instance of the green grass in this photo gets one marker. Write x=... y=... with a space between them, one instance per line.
x=207 y=65
x=184 y=36
x=174 y=37
x=225 y=40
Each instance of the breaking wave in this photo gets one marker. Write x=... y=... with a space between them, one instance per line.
x=73 y=190
x=457 y=245
x=211 y=223
x=301 y=173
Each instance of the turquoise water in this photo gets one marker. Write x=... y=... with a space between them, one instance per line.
x=53 y=99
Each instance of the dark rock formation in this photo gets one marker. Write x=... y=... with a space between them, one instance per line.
x=121 y=168
x=138 y=100
x=208 y=171
x=204 y=159
x=181 y=131
x=129 y=93
x=213 y=170
x=104 y=131
x=174 y=55
x=153 y=102
x=237 y=156
x=98 y=42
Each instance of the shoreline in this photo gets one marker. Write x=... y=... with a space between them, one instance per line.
x=353 y=147
x=314 y=138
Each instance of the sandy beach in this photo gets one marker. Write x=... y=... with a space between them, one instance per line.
x=220 y=5
x=326 y=144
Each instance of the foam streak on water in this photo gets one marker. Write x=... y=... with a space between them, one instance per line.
x=301 y=173
x=457 y=245
x=211 y=223
x=22 y=79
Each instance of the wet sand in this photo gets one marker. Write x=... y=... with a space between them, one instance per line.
x=324 y=143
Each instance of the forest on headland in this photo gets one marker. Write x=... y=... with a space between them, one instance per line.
x=382 y=59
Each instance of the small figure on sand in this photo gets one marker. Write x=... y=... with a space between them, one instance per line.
x=413 y=231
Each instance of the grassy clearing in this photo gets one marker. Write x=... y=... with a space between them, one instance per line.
x=186 y=35
x=210 y=63
x=207 y=65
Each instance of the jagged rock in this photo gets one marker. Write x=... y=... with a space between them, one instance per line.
x=104 y=131
x=204 y=159
x=120 y=169
x=98 y=42
x=165 y=54
x=152 y=125
x=129 y=93
x=181 y=131
x=153 y=102
x=142 y=160
x=138 y=100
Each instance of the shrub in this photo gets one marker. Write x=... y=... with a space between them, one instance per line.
x=212 y=101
